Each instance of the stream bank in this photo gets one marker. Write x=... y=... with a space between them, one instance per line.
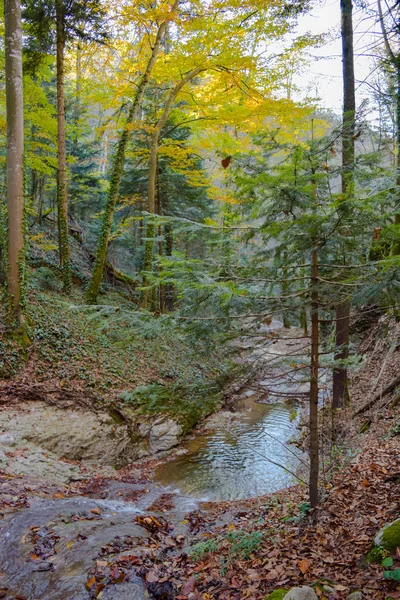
x=124 y=536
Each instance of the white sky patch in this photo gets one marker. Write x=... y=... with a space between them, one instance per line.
x=323 y=78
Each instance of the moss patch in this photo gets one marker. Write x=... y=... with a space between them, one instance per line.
x=277 y=595
x=391 y=536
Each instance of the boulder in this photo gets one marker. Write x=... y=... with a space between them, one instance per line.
x=389 y=536
x=164 y=435
x=301 y=593
x=74 y=434
x=355 y=596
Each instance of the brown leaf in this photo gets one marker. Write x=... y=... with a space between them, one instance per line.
x=304 y=565
x=189 y=586
x=152 y=577
x=96 y=511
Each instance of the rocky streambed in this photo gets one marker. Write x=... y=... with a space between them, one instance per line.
x=66 y=509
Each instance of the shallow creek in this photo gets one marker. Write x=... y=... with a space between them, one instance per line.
x=241 y=457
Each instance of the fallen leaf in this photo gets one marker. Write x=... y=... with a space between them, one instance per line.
x=304 y=565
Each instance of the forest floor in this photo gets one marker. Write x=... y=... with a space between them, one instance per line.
x=171 y=547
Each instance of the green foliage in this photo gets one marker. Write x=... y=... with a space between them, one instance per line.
x=376 y=555
x=395 y=430
x=240 y=545
x=199 y=550
x=46 y=279
x=244 y=544
x=394 y=574
x=277 y=594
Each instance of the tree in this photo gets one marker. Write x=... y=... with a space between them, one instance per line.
x=153 y=167
x=393 y=57
x=80 y=19
x=118 y=163
x=15 y=158
x=340 y=377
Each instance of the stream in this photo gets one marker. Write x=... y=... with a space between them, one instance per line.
x=51 y=546
x=233 y=462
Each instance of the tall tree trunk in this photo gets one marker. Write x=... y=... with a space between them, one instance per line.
x=314 y=443
x=396 y=247
x=151 y=194
x=15 y=159
x=62 y=183
x=340 y=377
x=394 y=58
x=117 y=167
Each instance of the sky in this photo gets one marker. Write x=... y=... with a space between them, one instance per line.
x=324 y=75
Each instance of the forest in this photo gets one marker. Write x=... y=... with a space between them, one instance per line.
x=199 y=271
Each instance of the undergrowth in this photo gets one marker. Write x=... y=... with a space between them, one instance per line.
x=152 y=364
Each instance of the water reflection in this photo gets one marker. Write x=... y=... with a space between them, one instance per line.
x=231 y=463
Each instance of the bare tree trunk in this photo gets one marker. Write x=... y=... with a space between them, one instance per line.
x=314 y=443
x=117 y=167
x=62 y=183
x=396 y=247
x=15 y=159
x=340 y=377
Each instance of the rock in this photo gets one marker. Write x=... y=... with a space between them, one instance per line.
x=75 y=434
x=164 y=435
x=389 y=536
x=43 y=566
x=301 y=593
x=133 y=590
x=355 y=596
x=328 y=589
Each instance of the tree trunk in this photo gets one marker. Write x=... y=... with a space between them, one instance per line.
x=396 y=247
x=314 y=443
x=117 y=167
x=15 y=159
x=151 y=194
x=62 y=183
x=340 y=377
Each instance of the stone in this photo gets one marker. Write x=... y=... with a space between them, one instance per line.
x=355 y=596
x=301 y=593
x=389 y=536
x=328 y=589
x=164 y=435
x=133 y=590
x=75 y=434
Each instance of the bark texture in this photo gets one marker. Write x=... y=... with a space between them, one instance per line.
x=340 y=376
x=117 y=167
x=15 y=158
x=62 y=181
x=147 y=295
x=314 y=443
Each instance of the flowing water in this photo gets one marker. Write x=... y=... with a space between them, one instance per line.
x=246 y=454
x=241 y=459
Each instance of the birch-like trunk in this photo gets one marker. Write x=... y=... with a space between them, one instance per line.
x=15 y=157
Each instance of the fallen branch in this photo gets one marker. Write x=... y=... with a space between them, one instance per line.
x=389 y=388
